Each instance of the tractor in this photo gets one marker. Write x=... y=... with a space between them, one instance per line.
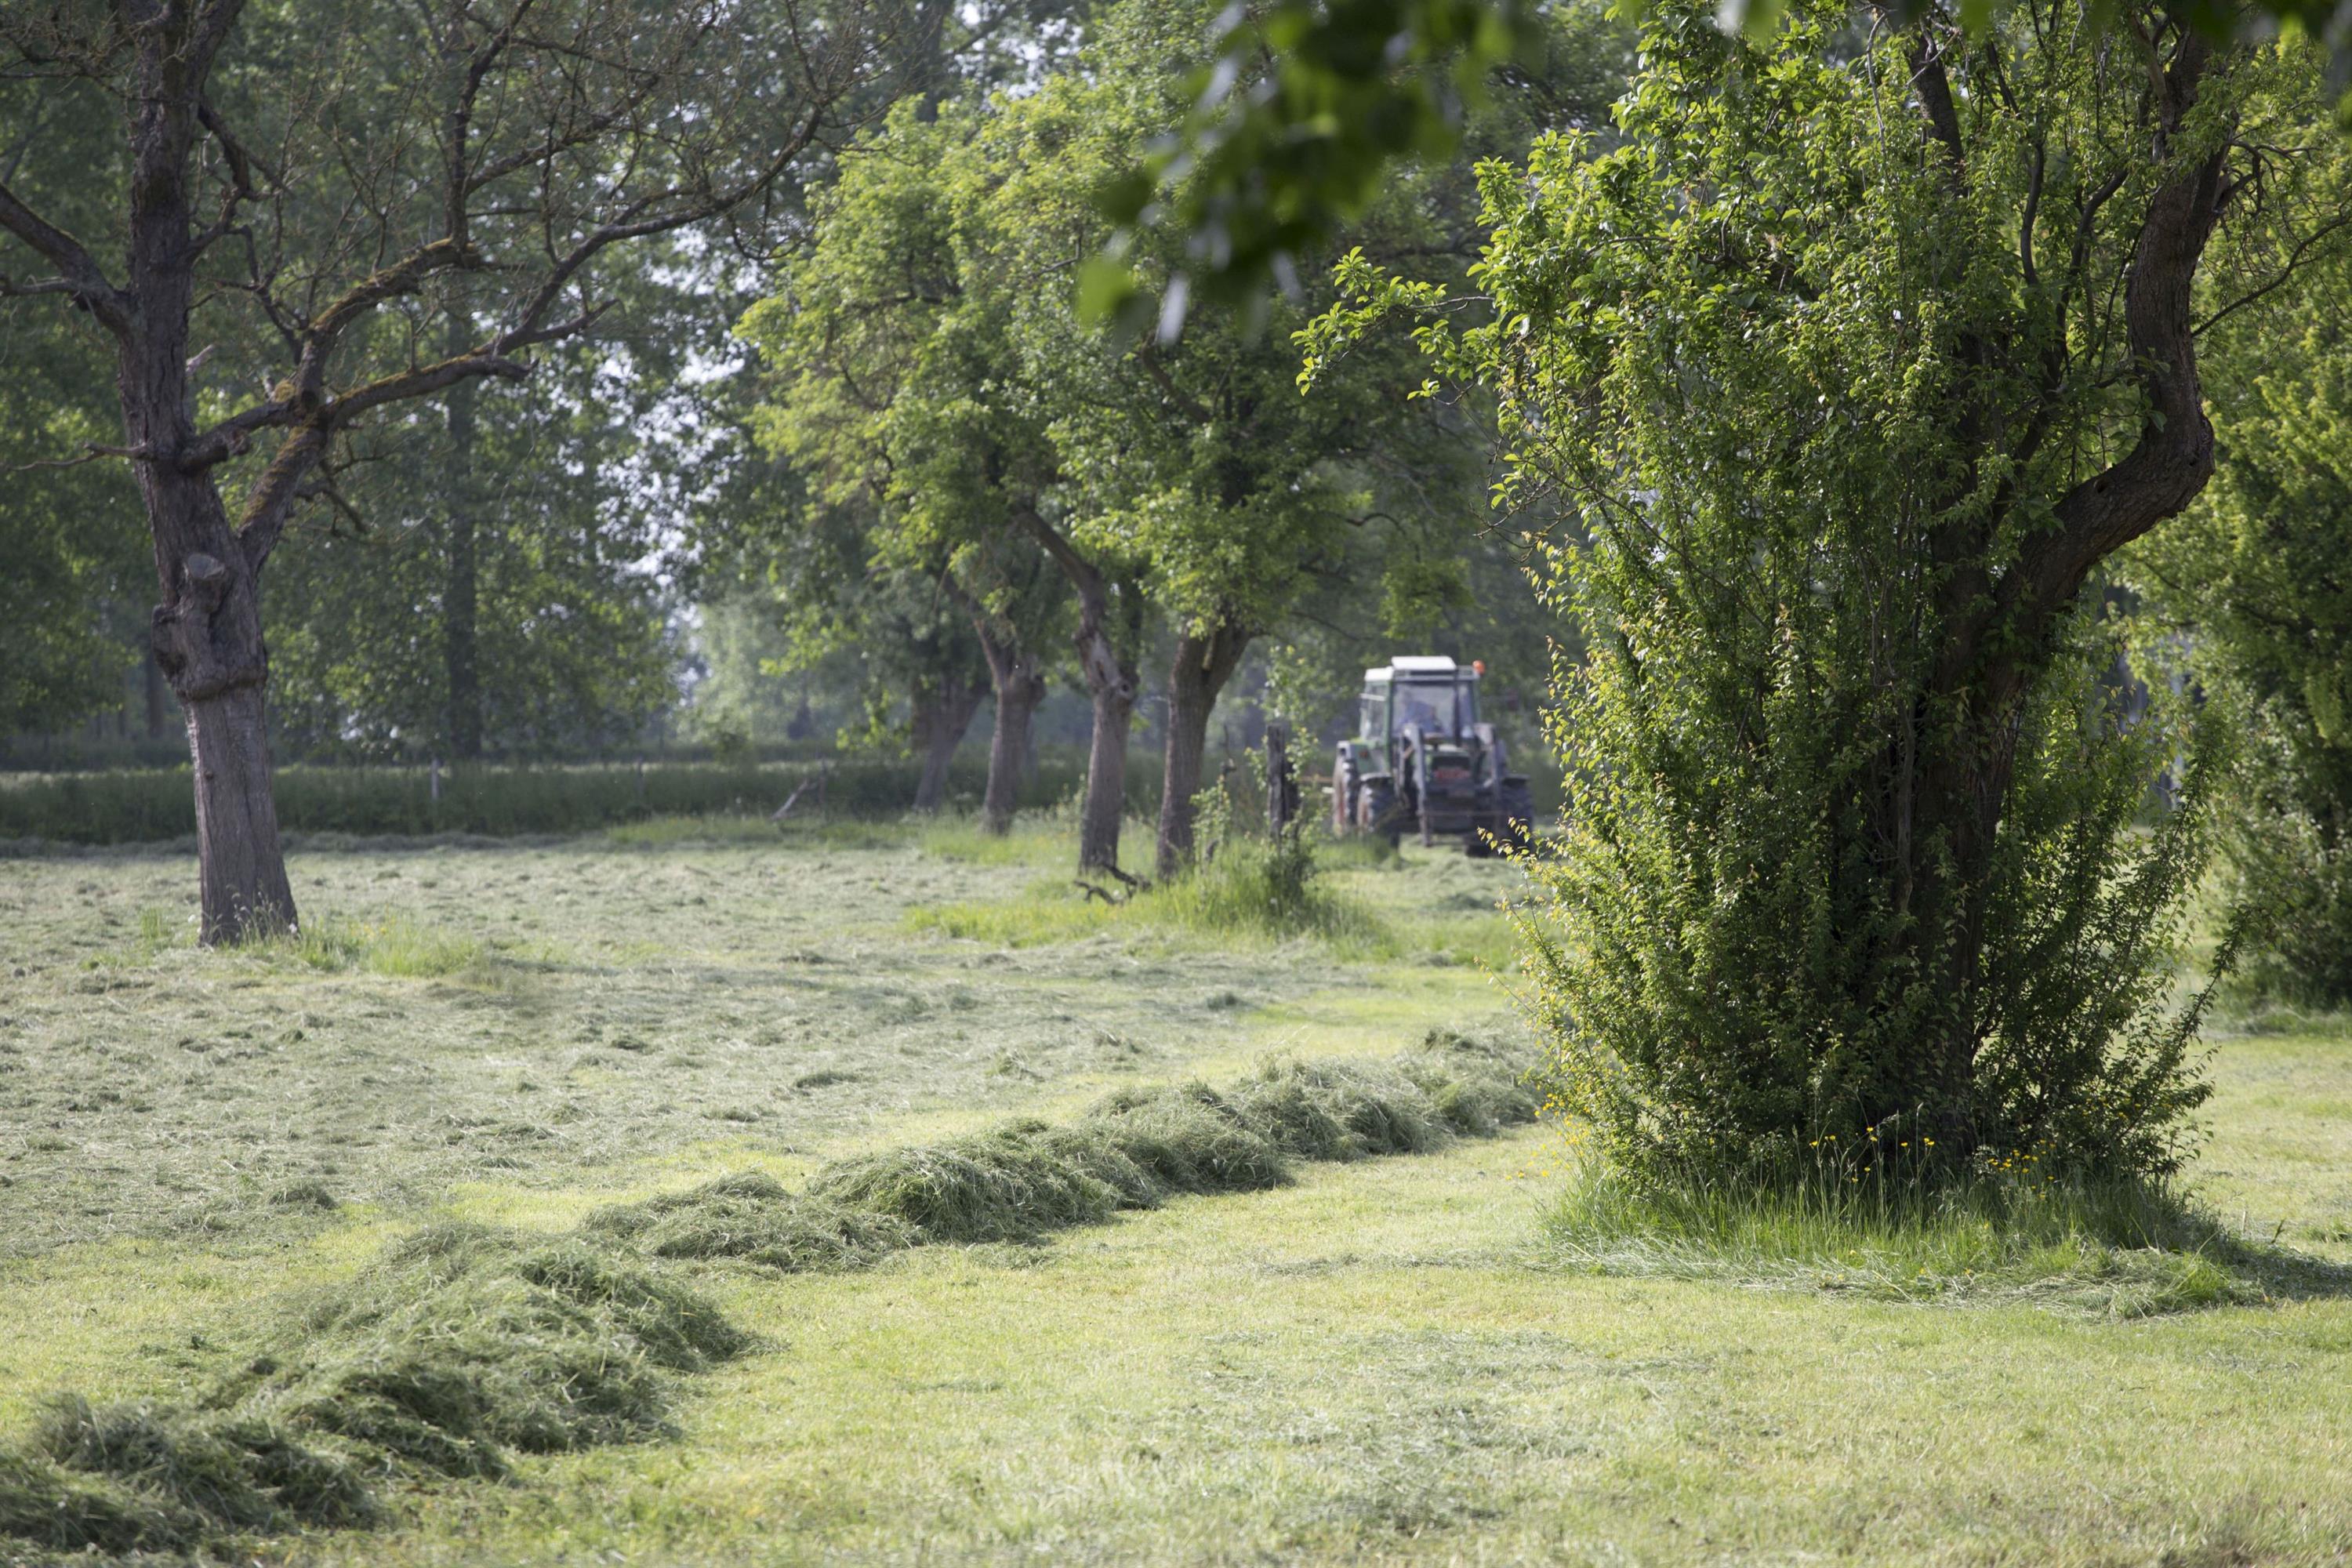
x=1419 y=757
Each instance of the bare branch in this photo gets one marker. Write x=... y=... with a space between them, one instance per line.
x=81 y=275
x=2295 y=260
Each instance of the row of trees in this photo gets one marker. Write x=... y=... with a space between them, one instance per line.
x=998 y=482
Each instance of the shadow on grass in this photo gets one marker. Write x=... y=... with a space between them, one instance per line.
x=2123 y=1249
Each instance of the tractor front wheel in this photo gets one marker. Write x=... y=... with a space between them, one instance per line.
x=1344 y=786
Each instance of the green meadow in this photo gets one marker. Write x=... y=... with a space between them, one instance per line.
x=1428 y=1336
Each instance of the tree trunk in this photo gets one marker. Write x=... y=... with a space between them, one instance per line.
x=1201 y=667
x=1106 y=796
x=460 y=595
x=244 y=889
x=1020 y=685
x=1111 y=683
x=942 y=714
x=206 y=638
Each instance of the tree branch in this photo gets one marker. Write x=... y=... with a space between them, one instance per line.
x=2174 y=455
x=81 y=276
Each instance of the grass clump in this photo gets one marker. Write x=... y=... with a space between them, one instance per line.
x=1001 y=1185
x=394 y=945
x=243 y=1471
x=749 y=1216
x=1251 y=888
x=1270 y=887
x=2123 y=1249
x=1132 y=1150
x=1189 y=1140
x=462 y=1344
x=45 y=1504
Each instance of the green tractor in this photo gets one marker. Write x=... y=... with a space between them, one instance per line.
x=1419 y=757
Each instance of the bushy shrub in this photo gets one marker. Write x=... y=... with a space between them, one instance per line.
x=1852 y=826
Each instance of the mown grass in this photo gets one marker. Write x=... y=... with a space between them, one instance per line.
x=1388 y=1362
x=555 y=1020
x=467 y=1345
x=1371 y=1362
x=462 y=1347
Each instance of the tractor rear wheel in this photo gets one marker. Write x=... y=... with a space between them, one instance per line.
x=1518 y=813
x=1377 y=810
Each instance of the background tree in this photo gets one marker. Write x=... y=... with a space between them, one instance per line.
x=1856 y=369
x=910 y=398
x=527 y=620
x=278 y=222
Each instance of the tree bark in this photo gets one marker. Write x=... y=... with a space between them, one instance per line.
x=1111 y=684
x=942 y=714
x=1203 y=665
x=206 y=638
x=154 y=674
x=1018 y=679
x=1106 y=796
x=461 y=588
x=206 y=632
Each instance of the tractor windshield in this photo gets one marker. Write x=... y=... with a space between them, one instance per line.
x=1439 y=707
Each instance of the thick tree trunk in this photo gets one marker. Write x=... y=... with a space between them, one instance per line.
x=1951 y=764
x=244 y=889
x=1203 y=665
x=207 y=640
x=461 y=587
x=1020 y=683
x=942 y=714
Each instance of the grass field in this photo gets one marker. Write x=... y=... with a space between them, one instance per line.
x=1411 y=1359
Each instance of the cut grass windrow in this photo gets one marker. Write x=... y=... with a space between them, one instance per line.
x=465 y=1345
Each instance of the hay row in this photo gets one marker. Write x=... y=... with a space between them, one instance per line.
x=465 y=1345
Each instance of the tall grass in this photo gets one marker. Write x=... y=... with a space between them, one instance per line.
x=2121 y=1249
x=1252 y=890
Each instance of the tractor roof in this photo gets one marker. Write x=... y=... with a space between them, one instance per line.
x=1407 y=666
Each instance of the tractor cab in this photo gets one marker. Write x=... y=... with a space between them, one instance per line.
x=1421 y=756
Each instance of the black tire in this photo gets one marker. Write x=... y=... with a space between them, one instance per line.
x=1518 y=813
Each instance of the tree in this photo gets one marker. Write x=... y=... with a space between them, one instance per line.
x=65 y=533
x=524 y=620
x=902 y=626
x=280 y=225
x=1857 y=365
x=906 y=398
x=986 y=406
x=1342 y=92
x=2254 y=582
